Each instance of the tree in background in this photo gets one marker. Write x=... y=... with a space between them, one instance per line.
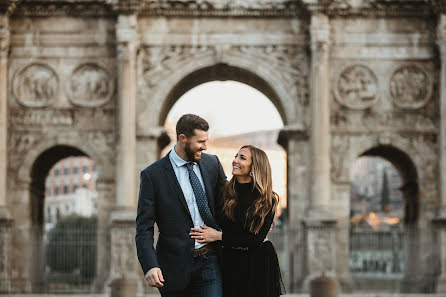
x=385 y=194
x=72 y=246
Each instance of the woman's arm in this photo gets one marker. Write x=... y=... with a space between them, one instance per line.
x=205 y=234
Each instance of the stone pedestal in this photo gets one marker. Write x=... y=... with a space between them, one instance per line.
x=440 y=226
x=5 y=240
x=319 y=249
x=123 y=265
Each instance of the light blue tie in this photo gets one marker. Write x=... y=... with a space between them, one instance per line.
x=200 y=198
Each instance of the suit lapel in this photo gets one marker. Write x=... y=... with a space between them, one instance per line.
x=204 y=174
x=173 y=181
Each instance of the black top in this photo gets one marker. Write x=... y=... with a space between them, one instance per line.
x=236 y=233
x=250 y=266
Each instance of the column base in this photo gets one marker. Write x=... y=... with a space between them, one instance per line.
x=123 y=279
x=319 y=241
x=440 y=223
x=123 y=287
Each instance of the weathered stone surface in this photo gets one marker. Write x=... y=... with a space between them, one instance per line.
x=348 y=77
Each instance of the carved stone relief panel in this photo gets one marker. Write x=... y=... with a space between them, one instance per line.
x=410 y=87
x=90 y=85
x=356 y=87
x=289 y=62
x=405 y=93
x=158 y=62
x=36 y=85
x=19 y=144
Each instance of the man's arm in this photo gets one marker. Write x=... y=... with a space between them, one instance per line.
x=145 y=220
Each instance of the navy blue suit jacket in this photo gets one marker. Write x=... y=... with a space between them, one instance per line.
x=161 y=200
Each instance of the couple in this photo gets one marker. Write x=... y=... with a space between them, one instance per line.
x=212 y=232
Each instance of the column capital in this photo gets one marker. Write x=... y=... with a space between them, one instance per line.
x=126 y=36
x=320 y=28
x=289 y=132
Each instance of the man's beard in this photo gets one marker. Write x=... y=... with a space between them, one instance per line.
x=191 y=154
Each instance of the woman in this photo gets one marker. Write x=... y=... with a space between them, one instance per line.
x=250 y=265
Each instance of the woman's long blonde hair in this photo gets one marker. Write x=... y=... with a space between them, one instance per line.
x=263 y=182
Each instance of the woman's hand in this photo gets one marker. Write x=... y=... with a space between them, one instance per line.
x=205 y=234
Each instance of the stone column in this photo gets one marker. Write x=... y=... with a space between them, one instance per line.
x=123 y=276
x=320 y=118
x=294 y=139
x=4 y=48
x=318 y=226
x=441 y=219
x=126 y=37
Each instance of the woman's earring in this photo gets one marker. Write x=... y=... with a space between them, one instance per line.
x=250 y=174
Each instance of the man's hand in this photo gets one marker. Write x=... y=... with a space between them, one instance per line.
x=154 y=277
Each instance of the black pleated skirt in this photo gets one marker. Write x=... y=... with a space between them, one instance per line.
x=253 y=273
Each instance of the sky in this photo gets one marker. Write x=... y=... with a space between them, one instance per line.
x=230 y=108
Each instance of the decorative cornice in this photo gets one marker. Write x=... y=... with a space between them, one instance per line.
x=222 y=8
x=63 y=8
x=373 y=8
x=226 y=8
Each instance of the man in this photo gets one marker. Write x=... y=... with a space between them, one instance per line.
x=178 y=193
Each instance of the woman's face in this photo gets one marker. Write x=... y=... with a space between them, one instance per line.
x=241 y=165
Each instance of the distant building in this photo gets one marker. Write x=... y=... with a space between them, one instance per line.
x=70 y=188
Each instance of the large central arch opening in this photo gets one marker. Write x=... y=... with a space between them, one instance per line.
x=241 y=109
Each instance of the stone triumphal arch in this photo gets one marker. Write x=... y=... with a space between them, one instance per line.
x=349 y=78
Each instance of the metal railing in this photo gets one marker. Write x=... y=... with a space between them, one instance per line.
x=60 y=260
x=377 y=254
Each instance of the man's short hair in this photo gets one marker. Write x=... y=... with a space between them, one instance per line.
x=188 y=123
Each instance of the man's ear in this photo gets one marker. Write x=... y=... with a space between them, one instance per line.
x=182 y=138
